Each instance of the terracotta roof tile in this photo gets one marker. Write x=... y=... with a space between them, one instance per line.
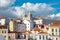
x=3 y=26
x=42 y=32
x=17 y=19
x=28 y=31
x=37 y=29
x=55 y=24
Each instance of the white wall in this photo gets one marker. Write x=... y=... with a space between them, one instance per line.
x=56 y=34
x=29 y=24
x=2 y=21
x=42 y=36
x=39 y=21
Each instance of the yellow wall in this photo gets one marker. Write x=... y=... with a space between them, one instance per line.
x=11 y=24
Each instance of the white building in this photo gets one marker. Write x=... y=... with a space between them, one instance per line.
x=39 y=34
x=38 y=20
x=2 y=20
x=29 y=24
x=27 y=16
x=54 y=31
x=43 y=36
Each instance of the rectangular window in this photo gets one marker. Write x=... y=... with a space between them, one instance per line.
x=5 y=36
x=52 y=33
x=21 y=36
x=59 y=29
x=42 y=26
x=56 y=30
x=46 y=37
x=43 y=37
x=40 y=37
x=56 y=38
x=52 y=30
x=3 y=31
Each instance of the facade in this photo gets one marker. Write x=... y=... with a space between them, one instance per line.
x=27 y=17
x=2 y=20
x=37 y=34
x=29 y=29
x=54 y=31
x=28 y=21
x=11 y=35
x=4 y=32
x=29 y=24
x=20 y=36
x=43 y=36
x=38 y=20
x=11 y=25
x=21 y=27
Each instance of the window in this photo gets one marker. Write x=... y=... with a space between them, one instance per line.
x=42 y=26
x=40 y=37
x=59 y=29
x=46 y=37
x=56 y=30
x=9 y=37
x=18 y=36
x=3 y=31
x=52 y=33
x=56 y=38
x=43 y=37
x=28 y=24
x=5 y=36
x=52 y=30
x=21 y=36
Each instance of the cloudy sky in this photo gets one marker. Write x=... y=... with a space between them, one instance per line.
x=43 y=8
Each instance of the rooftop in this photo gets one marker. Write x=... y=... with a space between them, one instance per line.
x=55 y=24
x=3 y=17
x=3 y=26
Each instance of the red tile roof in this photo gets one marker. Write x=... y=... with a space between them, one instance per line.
x=55 y=24
x=37 y=29
x=42 y=32
x=3 y=27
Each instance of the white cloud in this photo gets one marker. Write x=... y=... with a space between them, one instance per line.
x=38 y=9
x=19 y=11
x=58 y=15
x=5 y=3
x=55 y=16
